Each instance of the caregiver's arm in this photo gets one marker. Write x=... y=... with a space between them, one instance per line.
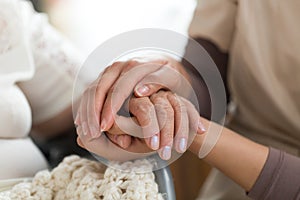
x=266 y=173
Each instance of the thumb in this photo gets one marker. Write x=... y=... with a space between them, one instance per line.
x=143 y=90
x=164 y=78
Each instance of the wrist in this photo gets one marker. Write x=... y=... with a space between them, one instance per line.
x=199 y=138
x=204 y=144
x=196 y=144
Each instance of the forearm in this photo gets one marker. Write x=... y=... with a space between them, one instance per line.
x=279 y=179
x=237 y=157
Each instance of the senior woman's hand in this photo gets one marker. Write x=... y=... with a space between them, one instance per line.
x=104 y=98
x=177 y=118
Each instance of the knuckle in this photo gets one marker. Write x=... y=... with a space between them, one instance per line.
x=144 y=121
x=133 y=102
x=105 y=75
x=153 y=97
x=167 y=107
x=158 y=98
x=175 y=101
x=164 y=107
x=92 y=87
x=177 y=107
x=163 y=93
x=110 y=68
x=106 y=70
x=144 y=108
x=180 y=107
x=129 y=65
x=132 y=63
x=169 y=94
x=115 y=65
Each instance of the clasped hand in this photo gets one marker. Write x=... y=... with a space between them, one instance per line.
x=141 y=105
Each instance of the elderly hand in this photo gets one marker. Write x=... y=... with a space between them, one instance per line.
x=103 y=99
x=177 y=119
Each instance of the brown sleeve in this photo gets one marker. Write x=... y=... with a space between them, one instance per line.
x=279 y=179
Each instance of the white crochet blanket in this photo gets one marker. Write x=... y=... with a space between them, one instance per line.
x=77 y=178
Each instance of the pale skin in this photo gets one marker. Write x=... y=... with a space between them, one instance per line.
x=182 y=113
x=63 y=121
x=116 y=83
x=242 y=163
x=238 y=158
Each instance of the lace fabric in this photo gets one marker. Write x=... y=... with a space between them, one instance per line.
x=80 y=178
x=9 y=21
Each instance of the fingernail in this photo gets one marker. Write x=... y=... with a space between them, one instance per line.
x=182 y=145
x=76 y=121
x=143 y=90
x=120 y=141
x=103 y=125
x=154 y=142
x=84 y=128
x=166 y=153
x=201 y=127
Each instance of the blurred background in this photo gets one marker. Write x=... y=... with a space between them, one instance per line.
x=88 y=23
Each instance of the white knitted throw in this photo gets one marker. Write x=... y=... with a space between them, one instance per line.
x=77 y=178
